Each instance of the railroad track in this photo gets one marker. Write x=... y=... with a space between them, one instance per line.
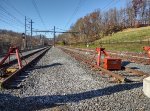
x=132 y=57
x=126 y=74
x=14 y=79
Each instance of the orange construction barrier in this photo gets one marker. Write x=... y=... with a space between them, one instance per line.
x=108 y=62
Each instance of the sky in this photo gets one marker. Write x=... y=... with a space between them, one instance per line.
x=49 y=13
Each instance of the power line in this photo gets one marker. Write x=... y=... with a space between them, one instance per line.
x=13 y=7
x=7 y=17
x=61 y=29
x=105 y=7
x=6 y=23
x=79 y=5
x=75 y=12
x=5 y=11
x=37 y=10
x=31 y=26
x=8 y=20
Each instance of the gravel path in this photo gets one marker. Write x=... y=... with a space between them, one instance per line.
x=140 y=67
x=60 y=83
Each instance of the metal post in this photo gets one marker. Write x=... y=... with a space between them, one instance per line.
x=31 y=27
x=99 y=56
x=25 y=45
x=41 y=40
x=31 y=32
x=18 y=58
x=54 y=36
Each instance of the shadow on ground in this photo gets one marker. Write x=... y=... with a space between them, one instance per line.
x=47 y=66
x=125 y=63
x=9 y=102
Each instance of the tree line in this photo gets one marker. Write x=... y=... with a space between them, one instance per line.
x=9 y=38
x=100 y=23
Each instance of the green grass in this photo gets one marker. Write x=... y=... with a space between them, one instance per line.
x=134 y=34
x=135 y=47
x=128 y=35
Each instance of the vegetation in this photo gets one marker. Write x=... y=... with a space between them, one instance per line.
x=112 y=25
x=10 y=38
x=127 y=40
x=128 y=35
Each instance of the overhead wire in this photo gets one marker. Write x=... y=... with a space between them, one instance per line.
x=10 y=17
x=79 y=5
x=109 y=3
x=7 y=19
x=7 y=23
x=13 y=7
x=74 y=13
x=38 y=12
x=61 y=29
x=8 y=13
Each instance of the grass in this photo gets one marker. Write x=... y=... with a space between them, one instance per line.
x=135 y=47
x=134 y=34
x=127 y=35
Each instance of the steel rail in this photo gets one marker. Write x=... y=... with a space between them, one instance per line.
x=133 y=58
x=109 y=73
x=6 y=83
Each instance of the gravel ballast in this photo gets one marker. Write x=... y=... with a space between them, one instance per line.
x=60 y=83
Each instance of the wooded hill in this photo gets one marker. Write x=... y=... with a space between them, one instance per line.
x=99 y=24
x=10 y=38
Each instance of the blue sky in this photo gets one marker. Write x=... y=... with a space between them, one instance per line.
x=59 y=13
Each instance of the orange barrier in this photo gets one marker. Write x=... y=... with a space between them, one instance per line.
x=108 y=62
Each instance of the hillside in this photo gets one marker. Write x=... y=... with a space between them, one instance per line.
x=131 y=34
x=132 y=40
x=10 y=38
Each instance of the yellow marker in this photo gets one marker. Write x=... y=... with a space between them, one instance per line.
x=11 y=70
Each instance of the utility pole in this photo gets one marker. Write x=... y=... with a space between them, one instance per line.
x=54 y=36
x=31 y=31
x=31 y=26
x=25 y=31
x=41 y=40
